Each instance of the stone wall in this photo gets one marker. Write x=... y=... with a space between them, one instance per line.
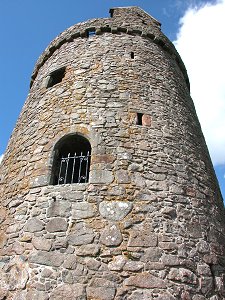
x=149 y=224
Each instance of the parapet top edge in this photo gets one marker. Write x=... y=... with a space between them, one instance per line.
x=133 y=6
x=80 y=29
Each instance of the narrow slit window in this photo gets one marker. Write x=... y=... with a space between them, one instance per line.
x=71 y=163
x=111 y=11
x=132 y=55
x=56 y=77
x=139 y=119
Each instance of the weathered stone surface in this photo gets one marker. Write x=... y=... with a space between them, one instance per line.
x=36 y=295
x=146 y=280
x=3 y=239
x=47 y=258
x=81 y=236
x=142 y=238
x=111 y=236
x=69 y=291
x=57 y=225
x=101 y=289
x=198 y=297
x=146 y=120
x=170 y=260
x=122 y=176
x=206 y=285
x=34 y=225
x=151 y=254
x=165 y=296
x=114 y=210
x=202 y=247
x=204 y=269
x=101 y=176
x=2 y=214
x=70 y=262
x=59 y=209
x=88 y=250
x=18 y=274
x=41 y=244
x=140 y=295
x=83 y=210
x=4 y=287
x=182 y=275
x=133 y=266
x=117 y=263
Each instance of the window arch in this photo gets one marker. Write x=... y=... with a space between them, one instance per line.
x=71 y=162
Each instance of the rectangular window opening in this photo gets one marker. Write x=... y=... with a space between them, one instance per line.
x=56 y=77
x=111 y=11
x=91 y=33
x=132 y=55
x=139 y=119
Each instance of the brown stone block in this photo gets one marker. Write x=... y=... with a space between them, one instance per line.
x=146 y=120
x=53 y=259
x=34 y=225
x=111 y=235
x=57 y=225
x=104 y=158
x=68 y=291
x=3 y=239
x=142 y=238
x=101 y=289
x=146 y=280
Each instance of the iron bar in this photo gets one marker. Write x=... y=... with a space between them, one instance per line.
x=60 y=169
x=86 y=171
x=81 y=159
x=67 y=163
x=74 y=163
x=75 y=170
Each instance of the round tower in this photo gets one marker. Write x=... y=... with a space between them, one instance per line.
x=107 y=189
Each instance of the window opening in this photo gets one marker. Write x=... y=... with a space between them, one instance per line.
x=91 y=33
x=132 y=55
x=139 y=118
x=71 y=162
x=56 y=77
x=111 y=11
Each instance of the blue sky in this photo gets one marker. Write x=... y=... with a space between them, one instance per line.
x=28 y=26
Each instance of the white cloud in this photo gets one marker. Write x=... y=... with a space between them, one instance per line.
x=1 y=157
x=201 y=44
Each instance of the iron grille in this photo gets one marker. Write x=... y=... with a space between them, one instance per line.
x=74 y=169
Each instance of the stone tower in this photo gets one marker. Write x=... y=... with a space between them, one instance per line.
x=107 y=189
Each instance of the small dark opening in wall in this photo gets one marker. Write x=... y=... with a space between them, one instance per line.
x=143 y=22
x=139 y=118
x=132 y=55
x=91 y=33
x=111 y=11
x=56 y=77
x=71 y=162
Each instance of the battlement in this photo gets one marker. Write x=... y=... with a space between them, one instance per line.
x=133 y=14
x=126 y=20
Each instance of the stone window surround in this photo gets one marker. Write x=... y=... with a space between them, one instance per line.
x=63 y=146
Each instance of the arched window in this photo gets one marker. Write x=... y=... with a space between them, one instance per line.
x=71 y=163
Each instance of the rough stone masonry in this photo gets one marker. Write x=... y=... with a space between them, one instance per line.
x=149 y=221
